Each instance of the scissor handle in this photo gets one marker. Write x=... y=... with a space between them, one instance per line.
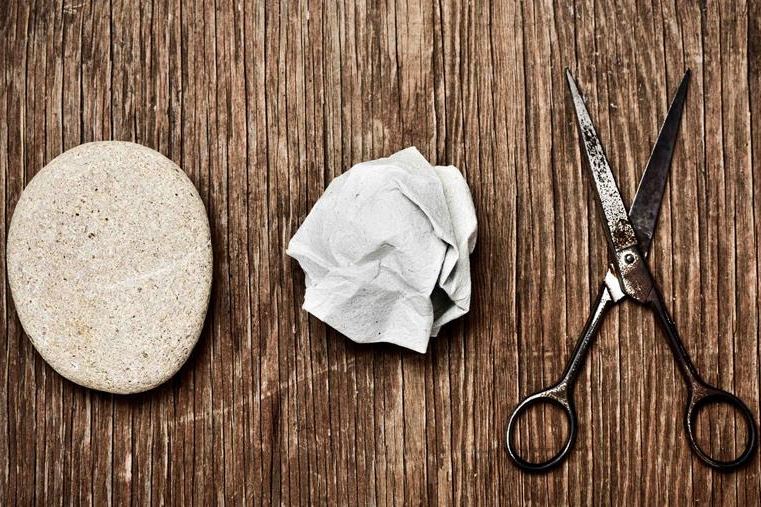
x=561 y=393
x=701 y=395
x=557 y=395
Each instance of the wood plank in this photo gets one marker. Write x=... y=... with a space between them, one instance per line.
x=263 y=104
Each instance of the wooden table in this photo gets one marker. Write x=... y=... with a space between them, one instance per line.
x=263 y=104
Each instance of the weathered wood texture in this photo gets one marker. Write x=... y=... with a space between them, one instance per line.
x=263 y=104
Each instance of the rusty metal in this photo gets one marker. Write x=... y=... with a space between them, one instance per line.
x=647 y=201
x=629 y=237
x=622 y=240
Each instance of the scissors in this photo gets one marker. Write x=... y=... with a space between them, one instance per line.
x=629 y=236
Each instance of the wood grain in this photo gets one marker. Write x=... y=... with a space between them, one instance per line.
x=262 y=104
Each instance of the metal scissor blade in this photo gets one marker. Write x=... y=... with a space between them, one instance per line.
x=647 y=201
x=631 y=270
x=617 y=226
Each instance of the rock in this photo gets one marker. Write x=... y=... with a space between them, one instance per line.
x=110 y=265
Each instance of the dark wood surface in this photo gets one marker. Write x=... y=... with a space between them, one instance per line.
x=262 y=104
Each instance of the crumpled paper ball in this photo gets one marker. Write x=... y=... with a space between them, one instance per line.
x=386 y=248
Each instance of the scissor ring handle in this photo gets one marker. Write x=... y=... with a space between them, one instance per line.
x=558 y=396
x=703 y=395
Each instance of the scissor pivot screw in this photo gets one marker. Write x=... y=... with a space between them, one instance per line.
x=629 y=258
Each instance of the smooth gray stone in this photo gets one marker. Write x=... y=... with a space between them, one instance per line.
x=110 y=265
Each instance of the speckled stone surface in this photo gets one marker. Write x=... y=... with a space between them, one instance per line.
x=110 y=265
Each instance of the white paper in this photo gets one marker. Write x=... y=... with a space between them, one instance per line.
x=386 y=250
